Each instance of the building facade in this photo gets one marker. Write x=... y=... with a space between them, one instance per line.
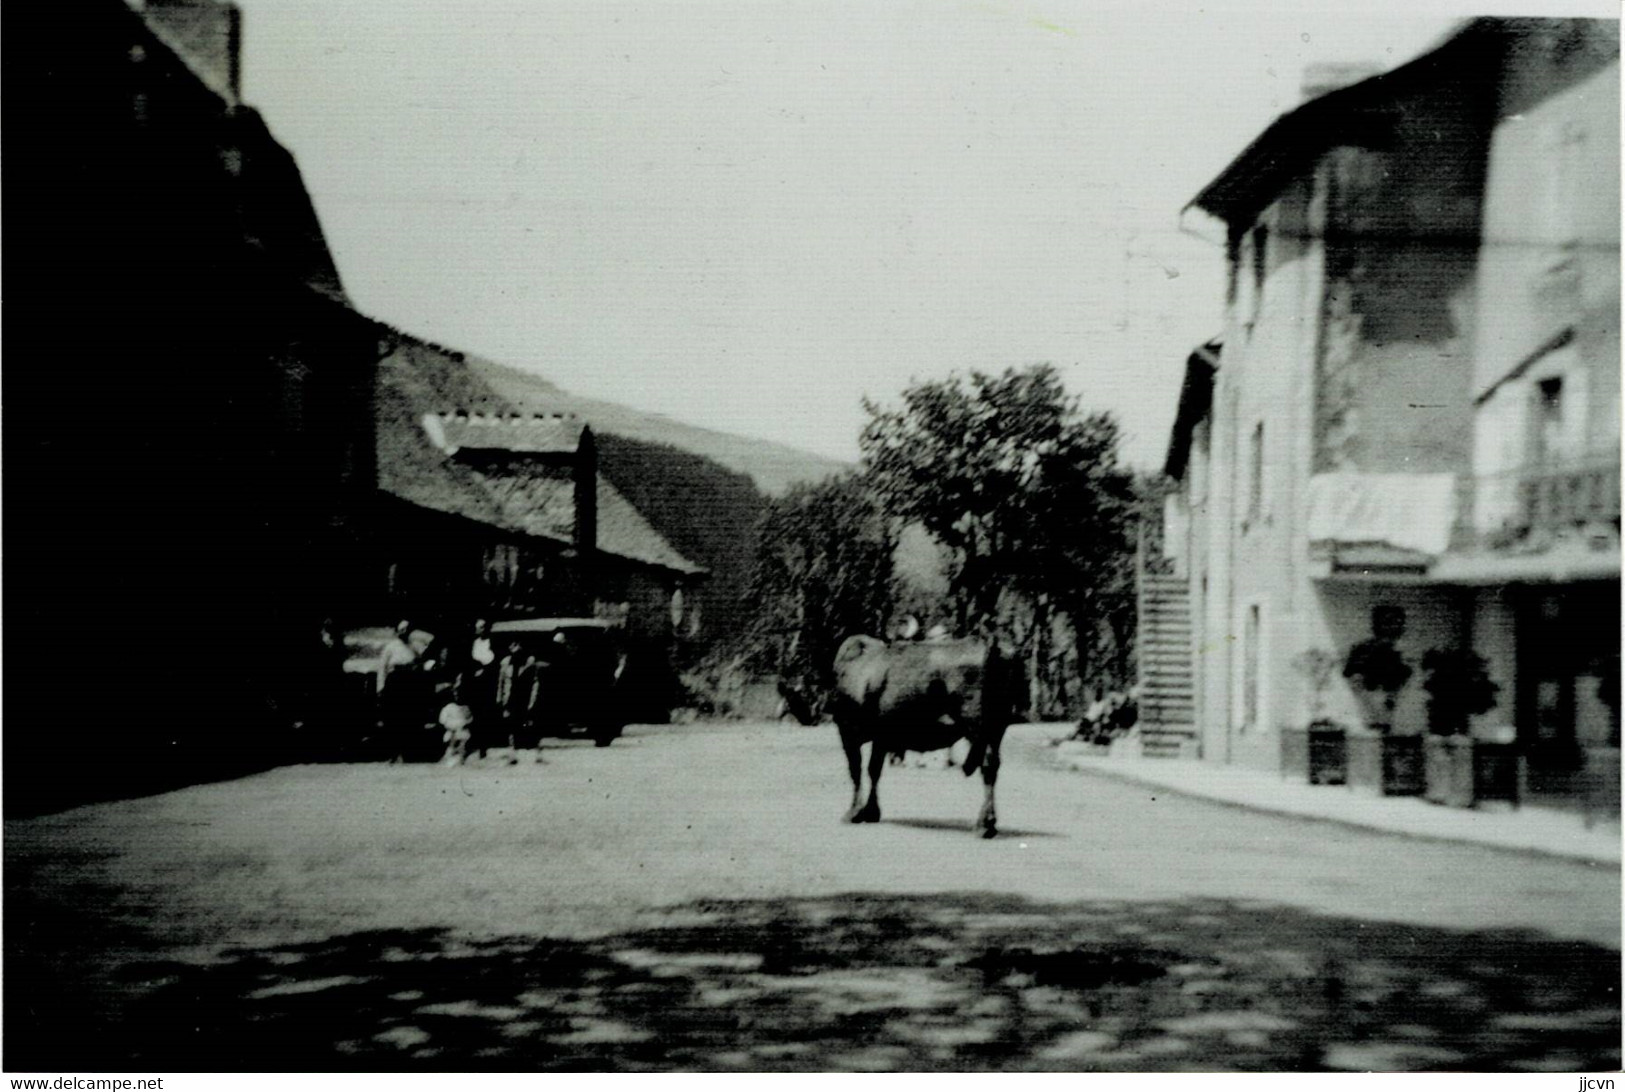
x=215 y=451
x=485 y=511
x=191 y=438
x=1413 y=409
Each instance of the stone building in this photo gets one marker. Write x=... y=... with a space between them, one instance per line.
x=188 y=399
x=482 y=510
x=1413 y=408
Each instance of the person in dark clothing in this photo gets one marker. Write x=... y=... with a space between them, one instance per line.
x=530 y=696
x=503 y=726
x=481 y=679
x=402 y=701
x=330 y=721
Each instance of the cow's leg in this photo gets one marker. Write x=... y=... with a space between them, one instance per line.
x=854 y=766
x=987 y=823
x=870 y=812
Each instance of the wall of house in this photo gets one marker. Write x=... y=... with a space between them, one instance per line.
x=1551 y=231
x=1173 y=543
x=1253 y=567
x=1349 y=343
x=179 y=451
x=1360 y=347
x=529 y=579
x=1435 y=617
x=1402 y=229
x=1547 y=380
x=1210 y=673
x=709 y=514
x=1215 y=636
x=1550 y=259
x=1566 y=694
x=1494 y=636
x=642 y=600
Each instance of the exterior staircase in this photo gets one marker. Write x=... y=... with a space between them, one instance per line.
x=1167 y=682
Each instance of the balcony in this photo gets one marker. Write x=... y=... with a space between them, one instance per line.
x=1539 y=523
x=1536 y=523
x=1536 y=505
x=1558 y=500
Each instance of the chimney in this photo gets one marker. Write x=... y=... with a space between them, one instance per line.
x=586 y=497
x=1324 y=77
x=208 y=34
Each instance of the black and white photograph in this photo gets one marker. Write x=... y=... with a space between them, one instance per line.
x=784 y=537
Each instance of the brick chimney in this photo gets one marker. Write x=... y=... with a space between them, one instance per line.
x=209 y=36
x=586 y=496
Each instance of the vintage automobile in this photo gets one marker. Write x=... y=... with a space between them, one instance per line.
x=582 y=664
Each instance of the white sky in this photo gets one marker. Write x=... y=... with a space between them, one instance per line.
x=749 y=215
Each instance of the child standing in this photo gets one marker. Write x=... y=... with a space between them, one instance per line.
x=457 y=727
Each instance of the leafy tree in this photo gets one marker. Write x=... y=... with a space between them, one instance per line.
x=1027 y=494
x=823 y=571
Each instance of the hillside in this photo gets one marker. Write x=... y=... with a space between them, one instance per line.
x=774 y=468
x=703 y=490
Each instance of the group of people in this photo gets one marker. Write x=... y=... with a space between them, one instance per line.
x=1113 y=713
x=448 y=700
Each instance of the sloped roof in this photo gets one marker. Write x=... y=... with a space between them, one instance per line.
x=542 y=505
x=418 y=381
x=413 y=380
x=1360 y=114
x=1469 y=57
x=623 y=531
x=539 y=504
x=1195 y=400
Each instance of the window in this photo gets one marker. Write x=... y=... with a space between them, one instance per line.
x=1548 y=435
x=1261 y=264
x=1255 y=470
x=501 y=565
x=1256 y=259
x=1244 y=282
x=1250 y=689
x=1233 y=260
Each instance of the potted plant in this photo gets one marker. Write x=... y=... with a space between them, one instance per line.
x=1458 y=685
x=1379 y=759
x=1315 y=752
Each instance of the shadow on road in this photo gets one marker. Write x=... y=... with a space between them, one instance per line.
x=948 y=982
x=966 y=827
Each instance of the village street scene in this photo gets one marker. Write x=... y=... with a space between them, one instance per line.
x=631 y=538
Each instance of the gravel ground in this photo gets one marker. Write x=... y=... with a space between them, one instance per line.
x=686 y=899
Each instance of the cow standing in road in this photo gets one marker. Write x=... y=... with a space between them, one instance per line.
x=922 y=696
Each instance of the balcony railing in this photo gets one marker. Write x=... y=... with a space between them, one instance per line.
x=1569 y=498
x=1536 y=503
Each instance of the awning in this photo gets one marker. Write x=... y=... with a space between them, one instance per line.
x=1415 y=513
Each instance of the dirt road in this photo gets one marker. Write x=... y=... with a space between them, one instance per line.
x=687 y=899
